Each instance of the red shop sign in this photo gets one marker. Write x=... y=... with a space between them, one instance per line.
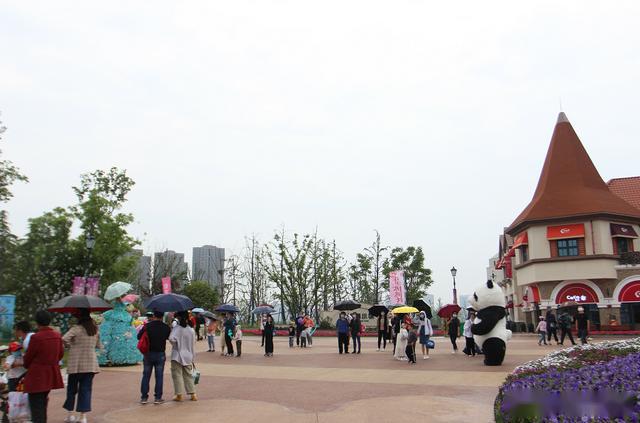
x=577 y=292
x=630 y=293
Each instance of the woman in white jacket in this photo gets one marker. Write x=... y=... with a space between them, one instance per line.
x=425 y=330
x=183 y=340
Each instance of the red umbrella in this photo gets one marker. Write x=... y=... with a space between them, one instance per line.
x=448 y=309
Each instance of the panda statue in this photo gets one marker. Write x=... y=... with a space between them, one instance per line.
x=490 y=325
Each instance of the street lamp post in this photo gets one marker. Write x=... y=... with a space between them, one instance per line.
x=455 y=292
x=90 y=242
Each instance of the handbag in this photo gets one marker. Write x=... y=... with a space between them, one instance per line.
x=143 y=343
x=19 y=406
x=431 y=344
x=195 y=374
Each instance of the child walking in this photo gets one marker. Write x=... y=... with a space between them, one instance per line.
x=412 y=338
x=542 y=331
x=238 y=339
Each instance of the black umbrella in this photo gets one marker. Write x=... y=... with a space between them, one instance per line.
x=346 y=305
x=377 y=310
x=169 y=302
x=209 y=315
x=423 y=306
x=74 y=302
x=227 y=308
x=263 y=310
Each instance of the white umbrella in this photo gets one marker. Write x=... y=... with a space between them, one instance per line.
x=117 y=290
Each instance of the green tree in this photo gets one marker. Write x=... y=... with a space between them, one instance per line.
x=9 y=174
x=202 y=294
x=417 y=278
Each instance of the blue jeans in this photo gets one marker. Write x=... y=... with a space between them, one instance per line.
x=79 y=384
x=152 y=360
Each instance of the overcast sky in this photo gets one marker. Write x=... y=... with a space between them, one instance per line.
x=428 y=121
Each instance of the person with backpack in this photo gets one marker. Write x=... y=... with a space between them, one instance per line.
x=152 y=344
x=565 y=321
x=552 y=327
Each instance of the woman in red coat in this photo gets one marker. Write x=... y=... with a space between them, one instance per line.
x=42 y=363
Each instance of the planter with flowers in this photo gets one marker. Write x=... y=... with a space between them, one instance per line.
x=592 y=383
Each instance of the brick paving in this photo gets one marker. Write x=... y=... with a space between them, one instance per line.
x=316 y=385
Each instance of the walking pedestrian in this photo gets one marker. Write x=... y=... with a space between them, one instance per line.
x=355 y=332
x=263 y=318
x=153 y=361
x=542 y=331
x=454 y=331
x=308 y=324
x=269 y=328
x=82 y=365
x=238 y=338
x=223 y=343
x=412 y=338
x=395 y=330
x=425 y=330
x=382 y=330
x=42 y=363
x=197 y=326
x=401 y=344
x=552 y=326
x=342 y=329
x=299 y=328
x=565 y=321
x=183 y=339
x=292 y=333
x=470 y=344
x=229 y=329
x=583 y=325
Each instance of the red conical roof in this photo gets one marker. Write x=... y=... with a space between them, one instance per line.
x=570 y=185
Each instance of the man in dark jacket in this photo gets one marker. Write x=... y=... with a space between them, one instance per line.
x=42 y=363
x=552 y=326
x=158 y=333
x=342 y=327
x=565 y=320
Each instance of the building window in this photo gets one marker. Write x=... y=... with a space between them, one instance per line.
x=524 y=253
x=622 y=245
x=568 y=248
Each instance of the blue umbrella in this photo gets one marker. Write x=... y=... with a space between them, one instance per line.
x=227 y=308
x=197 y=310
x=169 y=302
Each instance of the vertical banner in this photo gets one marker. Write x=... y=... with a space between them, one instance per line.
x=396 y=287
x=78 y=286
x=92 y=286
x=7 y=313
x=166 y=285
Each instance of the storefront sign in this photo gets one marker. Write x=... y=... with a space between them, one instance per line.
x=578 y=292
x=630 y=293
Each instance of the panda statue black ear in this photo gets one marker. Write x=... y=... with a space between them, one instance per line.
x=490 y=284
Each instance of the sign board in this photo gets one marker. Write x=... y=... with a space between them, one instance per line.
x=166 y=285
x=7 y=315
x=396 y=287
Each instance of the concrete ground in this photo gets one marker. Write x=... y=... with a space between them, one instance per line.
x=316 y=385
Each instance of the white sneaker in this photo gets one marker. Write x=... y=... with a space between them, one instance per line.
x=424 y=357
x=453 y=352
x=378 y=350
x=70 y=419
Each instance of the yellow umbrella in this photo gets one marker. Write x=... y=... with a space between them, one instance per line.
x=405 y=310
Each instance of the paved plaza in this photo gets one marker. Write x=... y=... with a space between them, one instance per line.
x=316 y=385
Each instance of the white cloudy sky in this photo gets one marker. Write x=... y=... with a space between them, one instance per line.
x=428 y=121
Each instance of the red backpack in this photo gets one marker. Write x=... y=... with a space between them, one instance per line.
x=143 y=343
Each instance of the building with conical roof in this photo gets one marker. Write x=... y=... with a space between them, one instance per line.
x=575 y=242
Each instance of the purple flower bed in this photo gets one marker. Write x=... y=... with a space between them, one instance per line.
x=578 y=386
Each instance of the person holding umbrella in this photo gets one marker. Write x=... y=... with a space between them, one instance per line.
x=454 y=331
x=82 y=364
x=268 y=336
x=355 y=332
x=183 y=340
x=382 y=329
x=157 y=333
x=229 y=330
x=342 y=328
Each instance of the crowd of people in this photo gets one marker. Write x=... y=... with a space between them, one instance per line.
x=549 y=324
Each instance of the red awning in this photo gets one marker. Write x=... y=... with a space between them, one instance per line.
x=578 y=292
x=521 y=239
x=630 y=293
x=565 y=231
x=623 y=231
x=510 y=253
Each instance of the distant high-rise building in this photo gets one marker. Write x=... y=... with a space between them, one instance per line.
x=142 y=271
x=208 y=264
x=172 y=264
